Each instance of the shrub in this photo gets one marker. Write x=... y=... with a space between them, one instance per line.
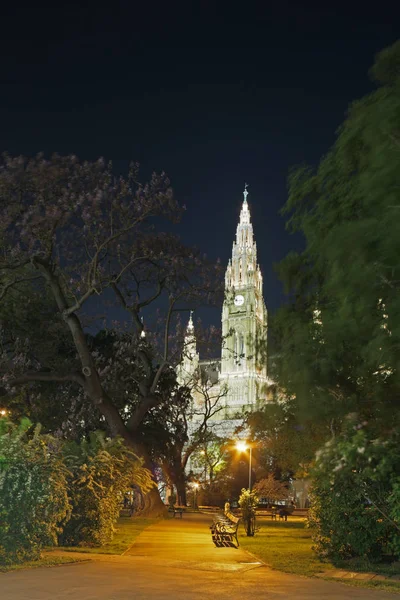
x=213 y=494
x=394 y=504
x=103 y=470
x=355 y=495
x=248 y=502
x=33 y=491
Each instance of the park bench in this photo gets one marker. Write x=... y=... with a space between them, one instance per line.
x=284 y=512
x=175 y=511
x=224 y=529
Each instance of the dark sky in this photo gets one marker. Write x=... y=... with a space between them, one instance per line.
x=212 y=96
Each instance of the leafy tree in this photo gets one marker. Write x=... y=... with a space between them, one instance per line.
x=210 y=457
x=165 y=432
x=180 y=426
x=339 y=337
x=286 y=439
x=82 y=237
x=229 y=471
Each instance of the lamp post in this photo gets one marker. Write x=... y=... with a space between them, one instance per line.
x=196 y=487
x=242 y=447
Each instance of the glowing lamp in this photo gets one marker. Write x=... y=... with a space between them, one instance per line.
x=241 y=446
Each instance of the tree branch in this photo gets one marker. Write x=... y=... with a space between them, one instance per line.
x=14 y=282
x=39 y=376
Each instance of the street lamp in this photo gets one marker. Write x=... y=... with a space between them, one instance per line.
x=242 y=447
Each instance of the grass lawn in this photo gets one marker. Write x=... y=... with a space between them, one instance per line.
x=286 y=546
x=127 y=530
x=46 y=561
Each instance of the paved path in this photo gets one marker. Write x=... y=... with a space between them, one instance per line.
x=173 y=560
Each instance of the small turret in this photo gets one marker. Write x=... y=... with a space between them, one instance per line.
x=190 y=356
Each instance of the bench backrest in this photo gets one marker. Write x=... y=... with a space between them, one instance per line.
x=232 y=517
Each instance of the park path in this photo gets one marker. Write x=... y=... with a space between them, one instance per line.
x=187 y=543
x=174 y=560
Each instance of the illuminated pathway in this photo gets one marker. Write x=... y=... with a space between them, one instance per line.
x=173 y=560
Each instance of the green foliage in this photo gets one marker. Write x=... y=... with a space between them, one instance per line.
x=33 y=492
x=215 y=493
x=394 y=507
x=387 y=65
x=355 y=499
x=102 y=471
x=248 y=502
x=286 y=439
x=339 y=339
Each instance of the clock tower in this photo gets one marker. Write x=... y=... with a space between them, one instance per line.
x=244 y=322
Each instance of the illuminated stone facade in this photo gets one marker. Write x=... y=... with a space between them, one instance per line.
x=242 y=369
x=244 y=322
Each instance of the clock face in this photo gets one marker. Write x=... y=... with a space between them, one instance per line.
x=239 y=300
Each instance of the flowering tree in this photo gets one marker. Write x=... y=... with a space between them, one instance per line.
x=271 y=488
x=76 y=237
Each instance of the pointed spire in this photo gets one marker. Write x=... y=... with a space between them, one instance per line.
x=244 y=213
x=245 y=193
x=190 y=324
x=241 y=269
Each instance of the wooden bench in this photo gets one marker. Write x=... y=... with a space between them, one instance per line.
x=224 y=529
x=175 y=511
x=284 y=512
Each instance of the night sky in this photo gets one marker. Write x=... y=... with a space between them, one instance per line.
x=212 y=96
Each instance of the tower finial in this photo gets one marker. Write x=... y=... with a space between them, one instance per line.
x=190 y=324
x=245 y=193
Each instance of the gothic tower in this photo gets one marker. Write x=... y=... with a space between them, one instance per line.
x=244 y=322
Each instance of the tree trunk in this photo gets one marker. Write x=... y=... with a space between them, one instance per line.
x=153 y=506
x=181 y=491
x=92 y=384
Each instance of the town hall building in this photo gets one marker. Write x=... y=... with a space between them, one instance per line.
x=241 y=373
